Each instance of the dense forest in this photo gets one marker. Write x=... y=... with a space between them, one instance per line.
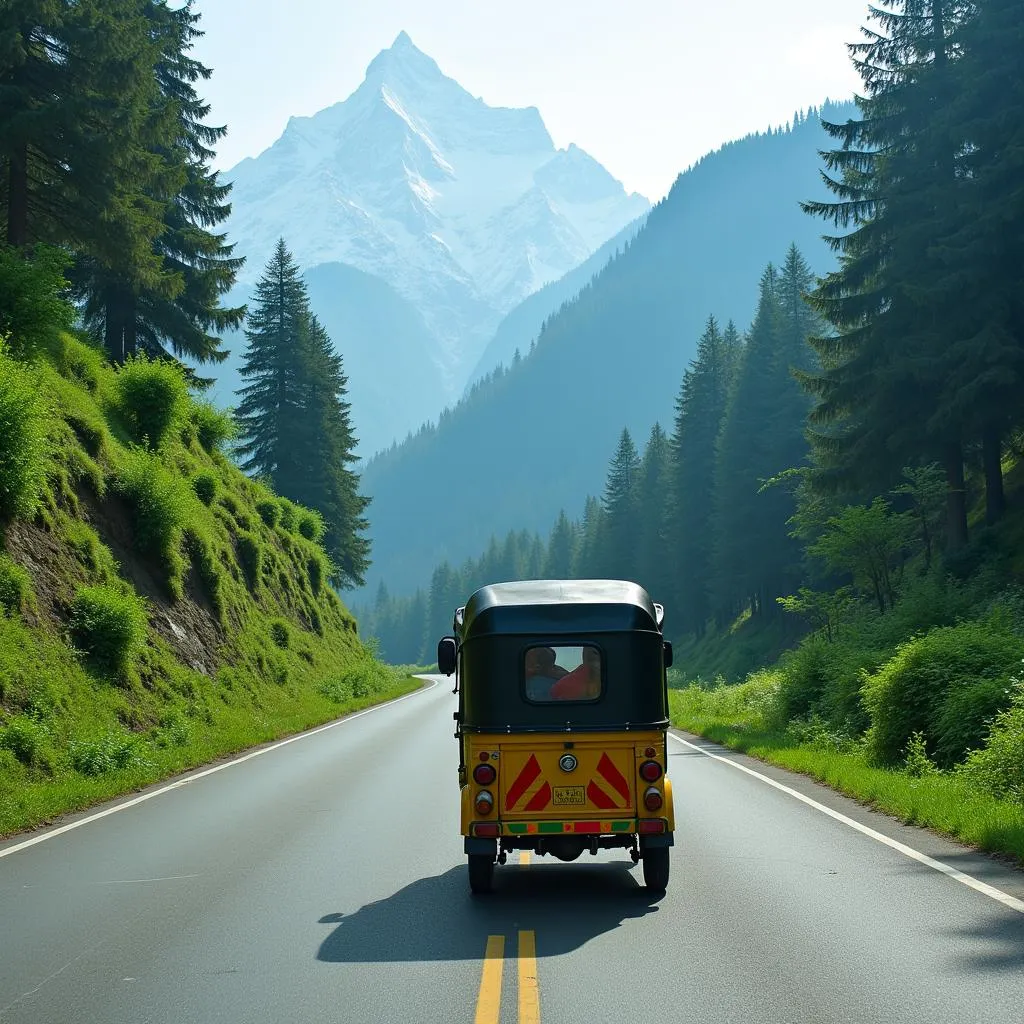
x=849 y=468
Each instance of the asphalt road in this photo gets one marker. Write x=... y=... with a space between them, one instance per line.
x=324 y=880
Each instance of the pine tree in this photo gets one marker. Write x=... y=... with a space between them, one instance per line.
x=271 y=415
x=880 y=391
x=326 y=453
x=746 y=539
x=558 y=561
x=700 y=409
x=983 y=251
x=586 y=558
x=618 y=555
x=651 y=488
x=183 y=307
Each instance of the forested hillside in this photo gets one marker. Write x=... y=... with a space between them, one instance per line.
x=536 y=438
x=158 y=608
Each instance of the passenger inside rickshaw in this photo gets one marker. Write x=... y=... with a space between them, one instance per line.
x=565 y=673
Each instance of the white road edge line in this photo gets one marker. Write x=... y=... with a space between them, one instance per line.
x=208 y=771
x=984 y=888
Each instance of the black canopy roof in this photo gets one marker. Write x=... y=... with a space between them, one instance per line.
x=559 y=606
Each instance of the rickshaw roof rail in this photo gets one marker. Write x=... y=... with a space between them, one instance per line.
x=559 y=606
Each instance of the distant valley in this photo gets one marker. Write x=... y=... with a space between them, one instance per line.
x=538 y=438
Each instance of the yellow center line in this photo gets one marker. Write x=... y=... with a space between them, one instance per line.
x=524 y=857
x=488 y=1002
x=529 y=994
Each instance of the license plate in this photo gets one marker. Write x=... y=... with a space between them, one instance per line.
x=568 y=796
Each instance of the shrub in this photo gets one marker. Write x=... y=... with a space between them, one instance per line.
x=24 y=738
x=317 y=572
x=909 y=693
x=998 y=767
x=24 y=446
x=270 y=512
x=289 y=514
x=152 y=399
x=80 y=362
x=109 y=625
x=311 y=525
x=174 y=730
x=112 y=751
x=160 y=500
x=280 y=633
x=250 y=557
x=214 y=427
x=32 y=311
x=15 y=586
x=205 y=486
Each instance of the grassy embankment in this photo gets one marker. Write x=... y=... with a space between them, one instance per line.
x=158 y=609
x=918 y=713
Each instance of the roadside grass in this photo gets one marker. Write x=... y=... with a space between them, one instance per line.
x=197 y=734
x=739 y=717
x=219 y=629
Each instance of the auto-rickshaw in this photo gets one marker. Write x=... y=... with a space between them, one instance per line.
x=562 y=721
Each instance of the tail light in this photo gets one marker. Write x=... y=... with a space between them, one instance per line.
x=653 y=799
x=484 y=774
x=650 y=771
x=651 y=825
x=486 y=828
x=484 y=803
x=650 y=752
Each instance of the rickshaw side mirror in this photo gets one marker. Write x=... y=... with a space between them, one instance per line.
x=446 y=655
x=659 y=614
x=668 y=654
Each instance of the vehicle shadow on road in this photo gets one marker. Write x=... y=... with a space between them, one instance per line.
x=436 y=918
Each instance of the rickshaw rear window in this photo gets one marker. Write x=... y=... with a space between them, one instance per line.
x=563 y=673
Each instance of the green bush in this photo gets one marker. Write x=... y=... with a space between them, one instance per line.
x=317 y=572
x=24 y=738
x=998 y=767
x=909 y=693
x=109 y=625
x=280 y=633
x=205 y=485
x=289 y=514
x=160 y=499
x=110 y=752
x=80 y=362
x=15 y=586
x=32 y=309
x=24 y=445
x=250 y=557
x=152 y=399
x=311 y=525
x=214 y=427
x=270 y=512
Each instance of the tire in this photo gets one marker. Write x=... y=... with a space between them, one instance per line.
x=656 y=865
x=481 y=872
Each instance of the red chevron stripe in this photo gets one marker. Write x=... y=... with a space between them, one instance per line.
x=598 y=797
x=606 y=767
x=540 y=799
x=524 y=780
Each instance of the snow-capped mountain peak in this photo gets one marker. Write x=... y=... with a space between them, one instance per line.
x=462 y=207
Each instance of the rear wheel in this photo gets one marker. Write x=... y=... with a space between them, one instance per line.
x=481 y=872
x=656 y=865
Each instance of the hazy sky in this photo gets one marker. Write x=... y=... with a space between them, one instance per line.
x=645 y=86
